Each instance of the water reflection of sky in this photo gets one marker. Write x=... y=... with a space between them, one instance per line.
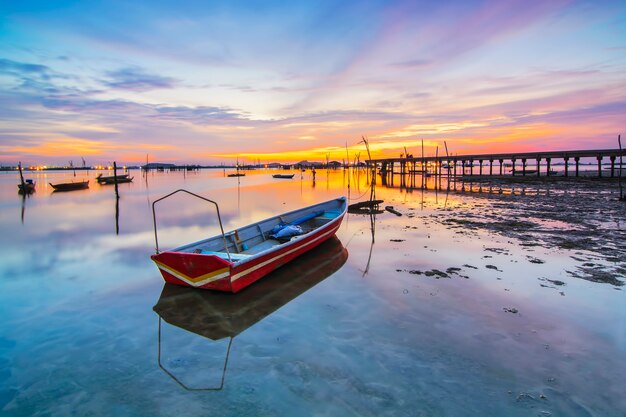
x=496 y=336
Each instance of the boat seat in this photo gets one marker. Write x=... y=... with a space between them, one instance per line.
x=330 y=214
x=233 y=256
x=266 y=244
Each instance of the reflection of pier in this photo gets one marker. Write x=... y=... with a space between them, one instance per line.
x=494 y=164
x=520 y=186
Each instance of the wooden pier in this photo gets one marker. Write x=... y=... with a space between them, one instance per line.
x=447 y=165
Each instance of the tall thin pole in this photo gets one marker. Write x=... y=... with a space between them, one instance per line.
x=19 y=166
x=348 y=164
x=621 y=190
x=423 y=167
x=448 y=162
x=437 y=173
x=115 y=179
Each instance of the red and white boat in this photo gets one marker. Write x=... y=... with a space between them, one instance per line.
x=233 y=260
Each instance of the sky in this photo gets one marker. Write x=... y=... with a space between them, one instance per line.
x=211 y=82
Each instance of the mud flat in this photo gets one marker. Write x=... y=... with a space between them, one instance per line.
x=523 y=278
x=583 y=216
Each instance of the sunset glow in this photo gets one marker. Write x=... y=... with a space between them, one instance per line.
x=210 y=82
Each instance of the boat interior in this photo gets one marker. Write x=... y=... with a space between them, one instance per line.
x=253 y=239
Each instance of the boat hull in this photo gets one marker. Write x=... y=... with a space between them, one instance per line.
x=214 y=273
x=250 y=272
x=27 y=188
x=70 y=186
x=111 y=181
x=216 y=315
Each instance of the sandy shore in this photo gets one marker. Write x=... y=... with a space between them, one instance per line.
x=580 y=215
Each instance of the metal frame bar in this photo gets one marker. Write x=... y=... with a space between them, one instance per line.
x=171 y=375
x=219 y=219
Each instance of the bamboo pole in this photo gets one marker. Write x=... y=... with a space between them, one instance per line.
x=19 y=167
x=448 y=162
x=621 y=189
x=115 y=179
x=423 y=168
x=437 y=167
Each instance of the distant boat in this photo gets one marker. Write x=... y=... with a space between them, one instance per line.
x=110 y=179
x=523 y=172
x=27 y=187
x=70 y=186
x=237 y=173
x=231 y=261
x=285 y=176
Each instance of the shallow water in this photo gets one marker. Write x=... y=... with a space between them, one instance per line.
x=470 y=303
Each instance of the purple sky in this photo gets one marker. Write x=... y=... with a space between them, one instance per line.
x=209 y=82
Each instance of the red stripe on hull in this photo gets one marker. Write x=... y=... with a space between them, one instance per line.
x=193 y=265
x=302 y=246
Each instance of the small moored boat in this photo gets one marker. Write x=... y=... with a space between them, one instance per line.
x=217 y=315
x=233 y=260
x=284 y=176
x=113 y=181
x=70 y=186
x=237 y=174
x=110 y=179
x=523 y=172
x=27 y=187
x=214 y=315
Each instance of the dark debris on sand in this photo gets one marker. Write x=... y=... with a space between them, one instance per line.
x=568 y=214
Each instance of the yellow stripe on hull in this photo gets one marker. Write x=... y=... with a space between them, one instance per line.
x=197 y=281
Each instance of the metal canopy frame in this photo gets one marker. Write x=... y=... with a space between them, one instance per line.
x=217 y=208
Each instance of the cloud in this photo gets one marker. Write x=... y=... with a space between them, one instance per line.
x=198 y=115
x=588 y=113
x=28 y=76
x=136 y=79
x=82 y=104
x=414 y=63
x=18 y=69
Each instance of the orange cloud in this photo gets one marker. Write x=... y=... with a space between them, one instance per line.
x=66 y=146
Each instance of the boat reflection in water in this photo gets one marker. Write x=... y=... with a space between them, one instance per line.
x=219 y=315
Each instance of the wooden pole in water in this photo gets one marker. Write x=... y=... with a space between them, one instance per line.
x=621 y=190
x=19 y=167
x=437 y=173
x=423 y=168
x=347 y=166
x=115 y=179
x=448 y=162
x=117 y=214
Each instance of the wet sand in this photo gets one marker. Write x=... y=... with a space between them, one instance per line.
x=523 y=282
x=581 y=216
